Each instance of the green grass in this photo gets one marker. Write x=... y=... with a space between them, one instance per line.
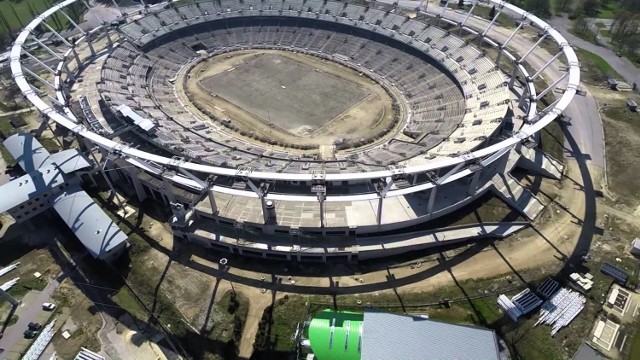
x=277 y=327
x=127 y=301
x=50 y=144
x=607 y=12
x=503 y=19
x=18 y=13
x=595 y=68
x=621 y=130
x=229 y=314
x=25 y=285
x=634 y=353
x=552 y=140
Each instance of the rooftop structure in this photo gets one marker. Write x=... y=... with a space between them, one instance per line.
x=586 y=352
x=53 y=182
x=372 y=335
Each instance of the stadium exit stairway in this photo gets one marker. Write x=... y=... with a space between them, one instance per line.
x=539 y=162
x=513 y=193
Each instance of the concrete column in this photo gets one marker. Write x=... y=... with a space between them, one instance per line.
x=77 y=57
x=379 y=215
x=167 y=189
x=512 y=80
x=90 y=45
x=432 y=199
x=265 y=211
x=137 y=185
x=473 y=184
x=212 y=202
x=108 y=36
x=525 y=96
x=321 y=199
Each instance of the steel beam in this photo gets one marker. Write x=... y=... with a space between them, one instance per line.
x=72 y=22
x=546 y=65
x=56 y=34
x=39 y=62
x=498 y=12
x=535 y=46
x=25 y=69
x=552 y=86
x=475 y=2
x=117 y=7
x=53 y=53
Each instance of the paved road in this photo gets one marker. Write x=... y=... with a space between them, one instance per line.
x=586 y=126
x=28 y=311
x=629 y=72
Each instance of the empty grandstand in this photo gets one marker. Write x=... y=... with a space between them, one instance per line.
x=302 y=128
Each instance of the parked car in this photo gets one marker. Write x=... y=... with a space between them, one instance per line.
x=29 y=334
x=34 y=326
x=48 y=306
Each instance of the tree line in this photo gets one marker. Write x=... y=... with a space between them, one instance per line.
x=623 y=28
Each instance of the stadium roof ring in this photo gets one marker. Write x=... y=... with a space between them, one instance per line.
x=455 y=165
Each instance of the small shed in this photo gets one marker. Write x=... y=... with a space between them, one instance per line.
x=635 y=247
x=17 y=121
x=633 y=106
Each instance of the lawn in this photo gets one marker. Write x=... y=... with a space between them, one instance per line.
x=503 y=19
x=17 y=14
x=142 y=294
x=622 y=132
x=552 y=140
x=635 y=347
x=608 y=12
x=596 y=69
x=278 y=326
x=25 y=285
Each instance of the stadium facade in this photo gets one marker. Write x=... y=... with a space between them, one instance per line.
x=461 y=125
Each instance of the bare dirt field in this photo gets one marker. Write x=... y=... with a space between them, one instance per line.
x=289 y=97
x=622 y=132
x=290 y=94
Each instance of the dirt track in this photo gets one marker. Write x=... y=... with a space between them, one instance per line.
x=363 y=119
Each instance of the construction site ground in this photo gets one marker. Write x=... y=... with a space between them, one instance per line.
x=362 y=113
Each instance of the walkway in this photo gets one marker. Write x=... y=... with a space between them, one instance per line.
x=622 y=65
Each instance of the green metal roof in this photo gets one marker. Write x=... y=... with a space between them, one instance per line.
x=336 y=335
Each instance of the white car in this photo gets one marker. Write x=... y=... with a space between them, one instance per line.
x=48 y=306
